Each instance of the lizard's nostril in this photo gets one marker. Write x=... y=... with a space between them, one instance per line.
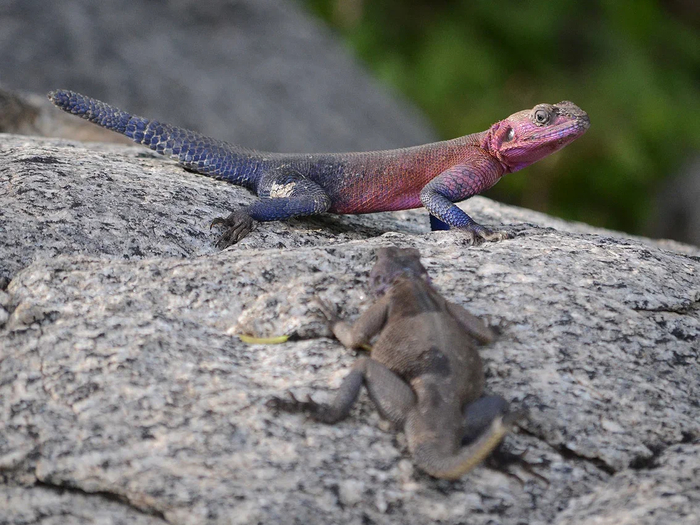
x=585 y=120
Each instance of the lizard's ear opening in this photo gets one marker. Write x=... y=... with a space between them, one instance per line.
x=504 y=134
x=499 y=134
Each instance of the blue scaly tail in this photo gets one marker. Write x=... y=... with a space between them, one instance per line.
x=204 y=155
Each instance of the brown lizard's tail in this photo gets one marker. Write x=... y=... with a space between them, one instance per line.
x=453 y=467
x=202 y=154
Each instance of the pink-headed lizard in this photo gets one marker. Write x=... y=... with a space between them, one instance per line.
x=293 y=185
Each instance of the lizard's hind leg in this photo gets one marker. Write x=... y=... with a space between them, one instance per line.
x=392 y=396
x=479 y=415
x=283 y=195
x=333 y=412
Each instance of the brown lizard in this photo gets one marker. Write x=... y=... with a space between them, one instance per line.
x=424 y=374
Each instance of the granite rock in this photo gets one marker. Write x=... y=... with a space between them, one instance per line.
x=127 y=397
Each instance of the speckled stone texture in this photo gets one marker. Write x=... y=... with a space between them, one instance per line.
x=126 y=397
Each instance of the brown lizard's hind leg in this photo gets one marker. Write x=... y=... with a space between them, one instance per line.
x=392 y=396
x=479 y=415
x=436 y=461
x=327 y=413
x=487 y=421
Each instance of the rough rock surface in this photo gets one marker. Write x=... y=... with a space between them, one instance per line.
x=126 y=397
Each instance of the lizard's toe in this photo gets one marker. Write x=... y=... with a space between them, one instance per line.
x=470 y=238
x=512 y=417
x=289 y=404
x=502 y=459
x=490 y=235
x=476 y=234
x=238 y=224
x=328 y=311
x=230 y=236
x=314 y=410
x=217 y=221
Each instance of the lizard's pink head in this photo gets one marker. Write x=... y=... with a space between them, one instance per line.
x=528 y=136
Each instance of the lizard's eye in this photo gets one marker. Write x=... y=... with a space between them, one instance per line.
x=541 y=116
x=510 y=135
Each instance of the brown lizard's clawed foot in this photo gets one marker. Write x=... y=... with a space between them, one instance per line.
x=340 y=329
x=316 y=411
x=238 y=224
x=292 y=405
x=501 y=459
x=328 y=310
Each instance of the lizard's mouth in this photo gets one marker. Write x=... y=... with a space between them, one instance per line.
x=531 y=142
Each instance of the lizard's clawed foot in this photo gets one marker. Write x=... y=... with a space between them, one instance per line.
x=476 y=234
x=290 y=404
x=342 y=331
x=328 y=310
x=501 y=460
x=238 y=224
x=316 y=411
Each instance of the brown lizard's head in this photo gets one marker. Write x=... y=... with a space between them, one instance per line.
x=528 y=136
x=392 y=263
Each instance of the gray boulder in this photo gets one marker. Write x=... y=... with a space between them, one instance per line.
x=127 y=397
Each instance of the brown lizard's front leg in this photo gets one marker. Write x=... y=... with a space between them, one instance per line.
x=471 y=324
x=359 y=334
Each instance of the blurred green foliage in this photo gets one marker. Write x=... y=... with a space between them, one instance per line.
x=633 y=65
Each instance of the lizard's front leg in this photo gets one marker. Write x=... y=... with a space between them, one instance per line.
x=472 y=324
x=365 y=328
x=457 y=184
x=282 y=196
